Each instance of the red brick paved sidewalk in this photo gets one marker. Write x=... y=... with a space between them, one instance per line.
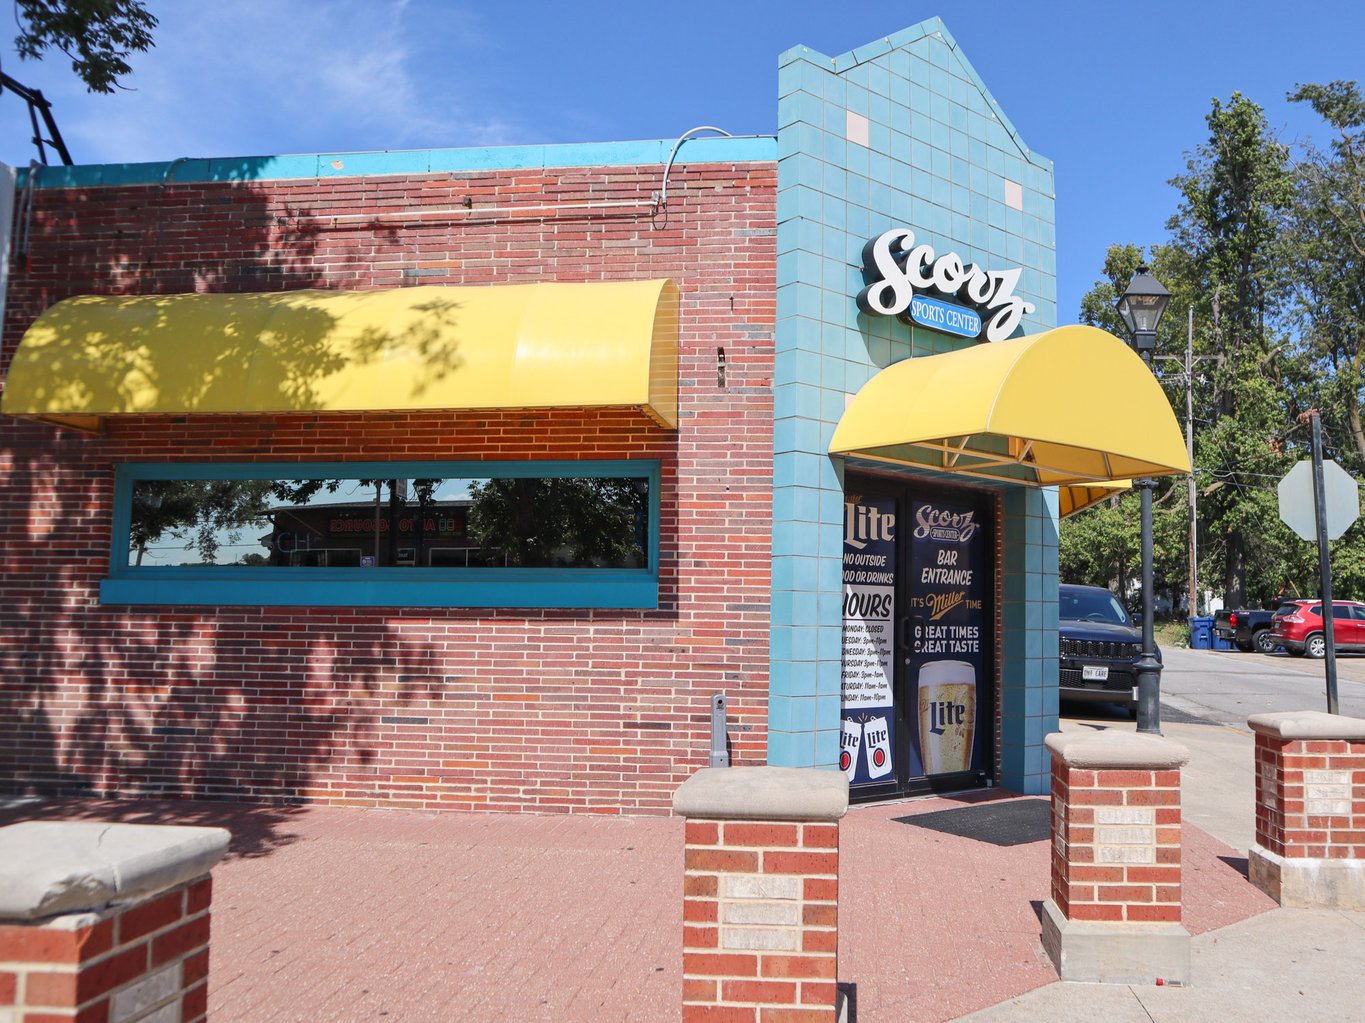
x=328 y=914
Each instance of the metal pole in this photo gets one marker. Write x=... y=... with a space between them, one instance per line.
x=1189 y=451
x=1148 y=667
x=1324 y=565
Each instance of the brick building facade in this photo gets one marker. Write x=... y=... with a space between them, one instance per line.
x=852 y=512
x=601 y=710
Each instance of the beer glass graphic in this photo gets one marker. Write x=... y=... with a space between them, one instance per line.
x=947 y=715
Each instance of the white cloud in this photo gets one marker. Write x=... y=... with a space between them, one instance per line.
x=258 y=77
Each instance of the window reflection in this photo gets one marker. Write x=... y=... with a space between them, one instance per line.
x=492 y=522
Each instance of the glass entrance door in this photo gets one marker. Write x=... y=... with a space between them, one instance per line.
x=918 y=663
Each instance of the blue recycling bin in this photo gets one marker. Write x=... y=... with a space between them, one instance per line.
x=1201 y=633
x=1226 y=645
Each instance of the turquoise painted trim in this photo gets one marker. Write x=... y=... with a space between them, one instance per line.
x=378 y=587
x=718 y=149
x=580 y=588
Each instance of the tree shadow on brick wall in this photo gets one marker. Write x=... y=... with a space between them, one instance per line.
x=184 y=702
x=130 y=717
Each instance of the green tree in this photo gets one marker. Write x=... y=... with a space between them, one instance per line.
x=1229 y=232
x=1101 y=546
x=1329 y=263
x=98 y=35
x=1270 y=259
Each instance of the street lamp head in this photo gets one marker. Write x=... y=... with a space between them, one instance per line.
x=1141 y=307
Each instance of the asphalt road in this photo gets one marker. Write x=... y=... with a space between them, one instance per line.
x=1226 y=688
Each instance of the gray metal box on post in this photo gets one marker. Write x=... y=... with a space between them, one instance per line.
x=720 y=748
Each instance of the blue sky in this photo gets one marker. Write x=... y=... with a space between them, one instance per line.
x=259 y=77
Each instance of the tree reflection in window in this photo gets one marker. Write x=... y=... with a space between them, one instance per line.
x=495 y=522
x=200 y=516
x=563 y=522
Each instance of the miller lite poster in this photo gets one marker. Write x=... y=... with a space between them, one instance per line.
x=867 y=739
x=950 y=582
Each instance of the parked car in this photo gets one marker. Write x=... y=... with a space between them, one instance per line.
x=1100 y=647
x=1246 y=628
x=1298 y=627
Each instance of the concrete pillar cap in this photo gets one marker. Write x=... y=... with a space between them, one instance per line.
x=52 y=867
x=1113 y=749
x=1307 y=724
x=763 y=793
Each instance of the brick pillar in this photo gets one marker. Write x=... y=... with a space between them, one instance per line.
x=105 y=923
x=1114 y=914
x=1310 y=809
x=761 y=894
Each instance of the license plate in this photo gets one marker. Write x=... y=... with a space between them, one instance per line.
x=1091 y=673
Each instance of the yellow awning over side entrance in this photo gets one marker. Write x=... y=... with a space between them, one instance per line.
x=1078 y=497
x=524 y=346
x=1071 y=405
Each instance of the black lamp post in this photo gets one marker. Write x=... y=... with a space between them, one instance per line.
x=1141 y=307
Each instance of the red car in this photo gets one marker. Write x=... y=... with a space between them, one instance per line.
x=1298 y=627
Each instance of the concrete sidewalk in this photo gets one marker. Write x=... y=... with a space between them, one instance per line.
x=1294 y=964
x=333 y=914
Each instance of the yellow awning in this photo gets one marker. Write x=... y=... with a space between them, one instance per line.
x=521 y=346
x=1071 y=405
x=1079 y=497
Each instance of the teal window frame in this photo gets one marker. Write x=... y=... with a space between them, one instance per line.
x=281 y=586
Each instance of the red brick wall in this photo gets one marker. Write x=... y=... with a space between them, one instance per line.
x=1310 y=797
x=124 y=963
x=602 y=711
x=1116 y=844
x=760 y=921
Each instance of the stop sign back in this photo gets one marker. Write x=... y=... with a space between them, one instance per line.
x=1341 y=499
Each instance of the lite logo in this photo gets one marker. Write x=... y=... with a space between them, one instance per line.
x=945 y=714
x=863 y=524
x=898 y=269
x=878 y=739
x=851 y=742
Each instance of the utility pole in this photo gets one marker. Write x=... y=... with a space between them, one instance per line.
x=1189 y=450
x=1192 y=547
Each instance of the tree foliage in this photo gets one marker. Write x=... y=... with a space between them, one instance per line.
x=1328 y=239
x=98 y=36
x=1235 y=195
x=1268 y=253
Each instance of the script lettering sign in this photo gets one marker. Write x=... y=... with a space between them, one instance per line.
x=904 y=276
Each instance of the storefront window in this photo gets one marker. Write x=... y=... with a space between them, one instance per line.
x=439 y=534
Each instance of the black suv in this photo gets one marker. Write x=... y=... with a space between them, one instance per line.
x=1100 y=647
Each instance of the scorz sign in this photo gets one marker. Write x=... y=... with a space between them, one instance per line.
x=903 y=278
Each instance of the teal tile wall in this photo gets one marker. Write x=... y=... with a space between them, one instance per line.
x=901 y=132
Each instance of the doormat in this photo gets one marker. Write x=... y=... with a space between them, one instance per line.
x=999 y=822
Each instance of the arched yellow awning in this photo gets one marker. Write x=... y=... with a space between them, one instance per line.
x=1071 y=405
x=1079 y=497
x=525 y=346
